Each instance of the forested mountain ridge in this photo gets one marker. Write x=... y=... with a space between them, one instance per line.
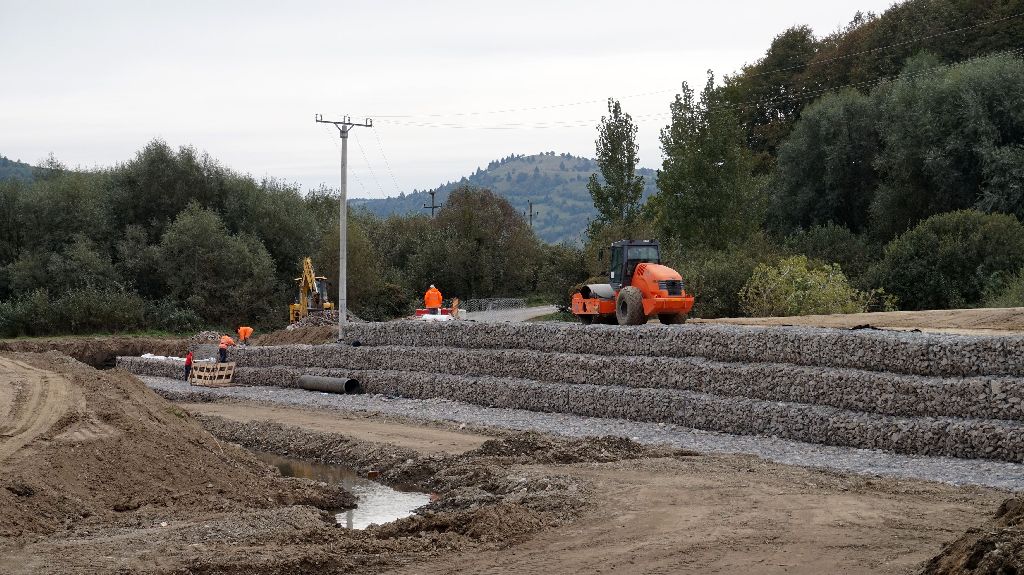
x=555 y=183
x=12 y=169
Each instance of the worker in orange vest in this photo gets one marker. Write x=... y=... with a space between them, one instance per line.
x=244 y=333
x=432 y=300
x=225 y=341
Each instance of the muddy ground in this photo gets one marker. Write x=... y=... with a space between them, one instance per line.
x=648 y=514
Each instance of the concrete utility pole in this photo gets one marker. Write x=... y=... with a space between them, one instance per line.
x=433 y=206
x=344 y=126
x=532 y=213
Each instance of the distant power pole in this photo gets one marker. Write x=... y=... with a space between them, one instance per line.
x=344 y=126
x=433 y=206
x=531 y=212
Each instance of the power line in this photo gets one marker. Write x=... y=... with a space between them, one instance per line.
x=387 y=164
x=658 y=92
x=369 y=167
x=801 y=95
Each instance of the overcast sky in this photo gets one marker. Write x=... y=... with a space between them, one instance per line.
x=450 y=85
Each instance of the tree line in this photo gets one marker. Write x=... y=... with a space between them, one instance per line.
x=853 y=172
x=172 y=240
x=885 y=172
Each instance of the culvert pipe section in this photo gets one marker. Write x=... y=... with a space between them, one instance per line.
x=342 y=385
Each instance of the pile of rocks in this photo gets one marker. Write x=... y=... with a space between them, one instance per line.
x=905 y=392
x=321 y=319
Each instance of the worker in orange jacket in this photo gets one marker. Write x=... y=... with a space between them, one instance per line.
x=225 y=341
x=432 y=300
x=244 y=333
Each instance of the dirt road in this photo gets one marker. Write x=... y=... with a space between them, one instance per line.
x=31 y=404
x=738 y=515
x=997 y=321
x=419 y=438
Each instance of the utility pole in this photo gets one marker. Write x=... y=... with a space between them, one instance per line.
x=531 y=213
x=433 y=206
x=344 y=126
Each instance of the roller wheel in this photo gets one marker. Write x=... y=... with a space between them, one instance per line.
x=672 y=318
x=629 y=306
x=586 y=319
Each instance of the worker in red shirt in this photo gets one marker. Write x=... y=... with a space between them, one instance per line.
x=432 y=300
x=188 y=365
x=225 y=341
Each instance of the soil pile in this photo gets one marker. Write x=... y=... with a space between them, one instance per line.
x=99 y=352
x=308 y=335
x=533 y=447
x=82 y=447
x=997 y=548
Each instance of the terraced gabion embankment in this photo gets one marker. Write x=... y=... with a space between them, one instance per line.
x=911 y=393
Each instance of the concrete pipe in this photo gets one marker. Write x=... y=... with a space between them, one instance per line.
x=345 y=385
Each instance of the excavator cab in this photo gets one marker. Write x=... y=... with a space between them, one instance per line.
x=312 y=294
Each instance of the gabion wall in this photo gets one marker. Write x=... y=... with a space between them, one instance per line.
x=905 y=392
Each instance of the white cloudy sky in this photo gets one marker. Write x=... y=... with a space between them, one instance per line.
x=92 y=82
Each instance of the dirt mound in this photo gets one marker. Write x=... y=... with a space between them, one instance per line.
x=997 y=548
x=531 y=447
x=503 y=523
x=99 y=352
x=95 y=447
x=310 y=335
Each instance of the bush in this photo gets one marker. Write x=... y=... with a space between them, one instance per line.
x=951 y=260
x=834 y=243
x=85 y=310
x=564 y=268
x=1008 y=293
x=715 y=277
x=796 y=287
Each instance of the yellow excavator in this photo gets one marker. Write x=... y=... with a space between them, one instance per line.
x=312 y=296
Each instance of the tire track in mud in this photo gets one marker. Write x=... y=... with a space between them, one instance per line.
x=44 y=398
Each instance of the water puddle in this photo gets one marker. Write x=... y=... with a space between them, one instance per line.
x=377 y=502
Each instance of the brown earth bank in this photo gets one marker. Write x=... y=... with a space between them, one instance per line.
x=83 y=450
x=98 y=351
x=993 y=321
x=993 y=548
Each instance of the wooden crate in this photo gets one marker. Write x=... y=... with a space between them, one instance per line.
x=207 y=374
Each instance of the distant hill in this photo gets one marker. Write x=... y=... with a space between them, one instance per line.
x=556 y=183
x=12 y=170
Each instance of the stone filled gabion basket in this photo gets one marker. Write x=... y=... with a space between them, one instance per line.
x=910 y=393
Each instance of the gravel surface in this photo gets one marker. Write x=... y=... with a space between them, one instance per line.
x=948 y=470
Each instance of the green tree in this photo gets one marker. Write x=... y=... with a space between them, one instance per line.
x=480 y=247
x=951 y=260
x=769 y=92
x=224 y=278
x=952 y=140
x=618 y=199
x=707 y=194
x=825 y=172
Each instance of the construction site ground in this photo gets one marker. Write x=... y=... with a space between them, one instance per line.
x=984 y=321
x=99 y=474
x=691 y=514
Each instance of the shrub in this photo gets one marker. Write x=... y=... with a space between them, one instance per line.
x=715 y=277
x=951 y=260
x=796 y=287
x=1009 y=293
